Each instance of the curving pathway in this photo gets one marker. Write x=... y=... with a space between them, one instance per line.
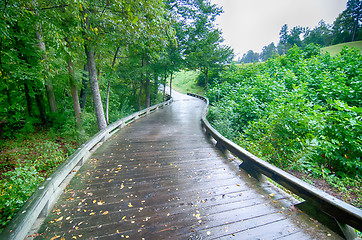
x=161 y=178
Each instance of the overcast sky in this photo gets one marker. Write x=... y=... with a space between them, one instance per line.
x=253 y=24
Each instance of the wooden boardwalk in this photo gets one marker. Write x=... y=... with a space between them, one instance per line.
x=161 y=178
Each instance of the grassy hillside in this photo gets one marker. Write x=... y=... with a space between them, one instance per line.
x=185 y=81
x=335 y=49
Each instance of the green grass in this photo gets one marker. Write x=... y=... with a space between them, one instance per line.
x=335 y=49
x=185 y=81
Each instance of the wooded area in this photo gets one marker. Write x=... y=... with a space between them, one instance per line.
x=117 y=51
x=69 y=68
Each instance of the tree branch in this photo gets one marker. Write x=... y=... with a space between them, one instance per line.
x=60 y=6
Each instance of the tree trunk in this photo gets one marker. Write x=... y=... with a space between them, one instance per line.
x=10 y=102
x=207 y=78
x=74 y=92
x=28 y=99
x=141 y=83
x=83 y=92
x=171 y=84
x=8 y=95
x=39 y=103
x=164 y=87
x=109 y=85
x=155 y=87
x=97 y=101
x=107 y=101
x=148 y=92
x=355 y=30
x=48 y=82
x=140 y=97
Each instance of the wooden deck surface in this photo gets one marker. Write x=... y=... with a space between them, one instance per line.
x=161 y=178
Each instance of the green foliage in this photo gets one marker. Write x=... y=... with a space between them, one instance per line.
x=28 y=160
x=15 y=190
x=299 y=111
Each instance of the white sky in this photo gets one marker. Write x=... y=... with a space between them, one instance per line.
x=253 y=24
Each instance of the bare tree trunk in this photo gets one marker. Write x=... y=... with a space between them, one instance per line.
x=148 y=92
x=73 y=87
x=207 y=78
x=140 y=97
x=28 y=99
x=48 y=82
x=164 y=87
x=8 y=95
x=83 y=91
x=171 y=84
x=355 y=30
x=74 y=92
x=39 y=103
x=107 y=101
x=155 y=87
x=97 y=101
x=109 y=85
x=141 y=86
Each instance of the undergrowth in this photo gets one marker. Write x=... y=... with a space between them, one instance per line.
x=301 y=112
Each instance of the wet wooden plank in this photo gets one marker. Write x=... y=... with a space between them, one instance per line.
x=161 y=178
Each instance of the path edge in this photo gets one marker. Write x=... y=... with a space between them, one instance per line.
x=341 y=213
x=44 y=198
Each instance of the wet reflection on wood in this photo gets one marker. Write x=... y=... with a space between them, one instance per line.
x=161 y=178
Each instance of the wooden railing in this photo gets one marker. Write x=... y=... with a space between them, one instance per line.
x=338 y=212
x=43 y=199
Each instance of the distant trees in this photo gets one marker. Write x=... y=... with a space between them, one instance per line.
x=346 y=28
x=250 y=57
x=321 y=35
x=268 y=52
x=200 y=41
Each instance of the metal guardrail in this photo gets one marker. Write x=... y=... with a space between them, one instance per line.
x=344 y=213
x=43 y=199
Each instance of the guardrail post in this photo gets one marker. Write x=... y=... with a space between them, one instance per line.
x=249 y=168
x=220 y=146
x=313 y=210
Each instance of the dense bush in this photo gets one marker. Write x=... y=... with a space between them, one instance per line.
x=301 y=111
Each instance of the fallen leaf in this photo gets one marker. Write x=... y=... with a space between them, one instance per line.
x=208 y=233
x=55 y=237
x=105 y=213
x=91 y=214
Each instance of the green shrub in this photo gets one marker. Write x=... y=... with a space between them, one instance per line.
x=300 y=111
x=16 y=187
